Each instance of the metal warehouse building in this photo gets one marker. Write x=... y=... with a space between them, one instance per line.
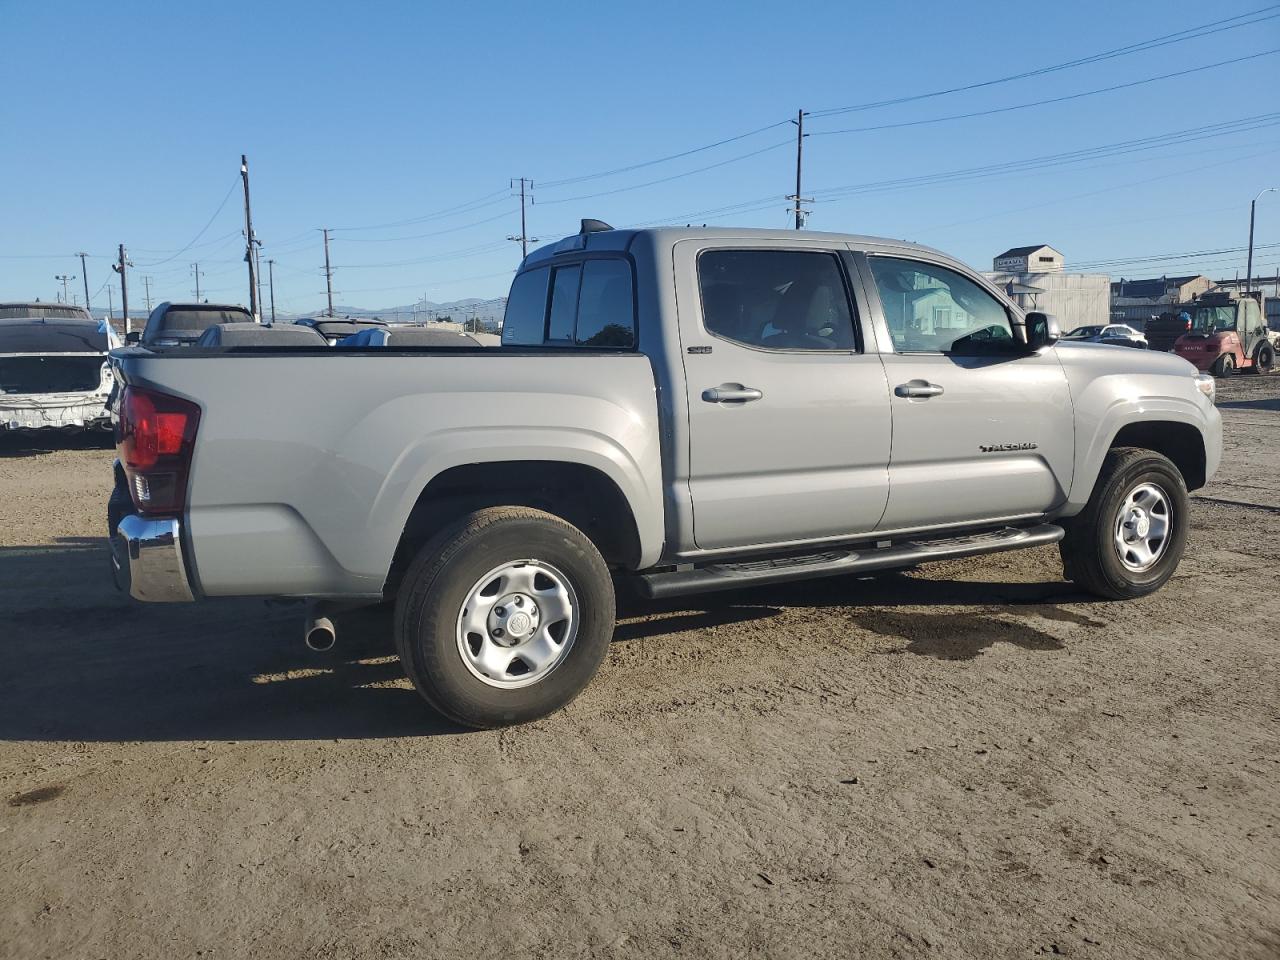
x=1035 y=279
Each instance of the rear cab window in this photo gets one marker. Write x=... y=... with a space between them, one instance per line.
x=588 y=303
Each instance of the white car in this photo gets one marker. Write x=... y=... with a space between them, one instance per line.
x=54 y=373
x=1115 y=333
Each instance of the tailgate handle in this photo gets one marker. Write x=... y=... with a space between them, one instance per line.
x=731 y=393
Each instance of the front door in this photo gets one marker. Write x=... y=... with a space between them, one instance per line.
x=982 y=429
x=788 y=415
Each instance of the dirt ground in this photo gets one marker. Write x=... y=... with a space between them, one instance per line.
x=972 y=760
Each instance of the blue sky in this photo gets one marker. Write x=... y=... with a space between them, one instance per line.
x=126 y=121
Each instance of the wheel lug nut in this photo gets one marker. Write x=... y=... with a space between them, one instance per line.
x=500 y=611
x=498 y=632
x=519 y=601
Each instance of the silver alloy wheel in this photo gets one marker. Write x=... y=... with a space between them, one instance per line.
x=1142 y=527
x=517 y=623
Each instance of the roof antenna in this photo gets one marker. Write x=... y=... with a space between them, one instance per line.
x=593 y=226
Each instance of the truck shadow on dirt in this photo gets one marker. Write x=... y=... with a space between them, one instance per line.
x=13 y=445
x=80 y=662
x=997 y=615
x=1266 y=403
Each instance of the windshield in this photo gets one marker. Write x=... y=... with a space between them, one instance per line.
x=1212 y=319
x=196 y=319
x=1084 y=332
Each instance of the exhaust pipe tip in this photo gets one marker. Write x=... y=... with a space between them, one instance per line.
x=320 y=634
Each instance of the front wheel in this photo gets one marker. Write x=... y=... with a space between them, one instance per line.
x=504 y=617
x=1264 y=359
x=1224 y=366
x=1130 y=536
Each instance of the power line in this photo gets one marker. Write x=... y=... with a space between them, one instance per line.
x=566 y=181
x=498 y=196
x=675 y=176
x=436 y=258
x=203 y=229
x=1189 y=135
x=1120 y=186
x=1191 y=33
x=1189 y=255
x=195 y=246
x=1040 y=103
x=420 y=236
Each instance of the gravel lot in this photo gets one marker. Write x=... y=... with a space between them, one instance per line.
x=971 y=760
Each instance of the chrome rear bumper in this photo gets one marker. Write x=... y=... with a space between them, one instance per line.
x=146 y=560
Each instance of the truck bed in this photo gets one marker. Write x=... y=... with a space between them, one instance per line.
x=308 y=462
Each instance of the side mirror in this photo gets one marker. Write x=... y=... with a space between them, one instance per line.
x=1042 y=330
x=133 y=336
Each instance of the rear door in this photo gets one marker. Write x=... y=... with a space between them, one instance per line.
x=982 y=430
x=788 y=412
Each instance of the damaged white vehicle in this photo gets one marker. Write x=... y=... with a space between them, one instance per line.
x=54 y=373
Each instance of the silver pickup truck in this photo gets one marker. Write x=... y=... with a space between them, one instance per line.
x=676 y=410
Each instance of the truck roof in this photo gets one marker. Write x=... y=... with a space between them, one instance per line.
x=621 y=239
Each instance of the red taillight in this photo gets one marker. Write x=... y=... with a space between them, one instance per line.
x=155 y=436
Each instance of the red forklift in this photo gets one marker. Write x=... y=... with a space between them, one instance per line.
x=1228 y=332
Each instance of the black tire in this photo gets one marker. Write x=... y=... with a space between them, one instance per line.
x=1090 y=555
x=1264 y=359
x=1224 y=366
x=442 y=577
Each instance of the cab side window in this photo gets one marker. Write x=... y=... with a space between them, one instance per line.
x=930 y=309
x=526 y=318
x=590 y=303
x=782 y=300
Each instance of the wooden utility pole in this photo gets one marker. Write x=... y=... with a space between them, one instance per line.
x=121 y=269
x=147 y=283
x=249 y=241
x=84 y=275
x=328 y=270
x=799 y=197
x=524 y=237
x=64 y=278
x=271 y=285
x=195 y=269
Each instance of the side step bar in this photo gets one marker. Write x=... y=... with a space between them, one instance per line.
x=835 y=562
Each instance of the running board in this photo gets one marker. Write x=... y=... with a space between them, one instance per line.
x=830 y=563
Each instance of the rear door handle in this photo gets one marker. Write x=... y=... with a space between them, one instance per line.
x=918 y=388
x=731 y=393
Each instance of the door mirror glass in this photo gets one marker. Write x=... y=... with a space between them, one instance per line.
x=1042 y=330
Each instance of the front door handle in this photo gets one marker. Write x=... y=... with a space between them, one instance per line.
x=731 y=393
x=918 y=388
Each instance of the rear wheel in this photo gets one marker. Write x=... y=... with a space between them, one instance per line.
x=1130 y=536
x=1264 y=359
x=504 y=616
x=1225 y=366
